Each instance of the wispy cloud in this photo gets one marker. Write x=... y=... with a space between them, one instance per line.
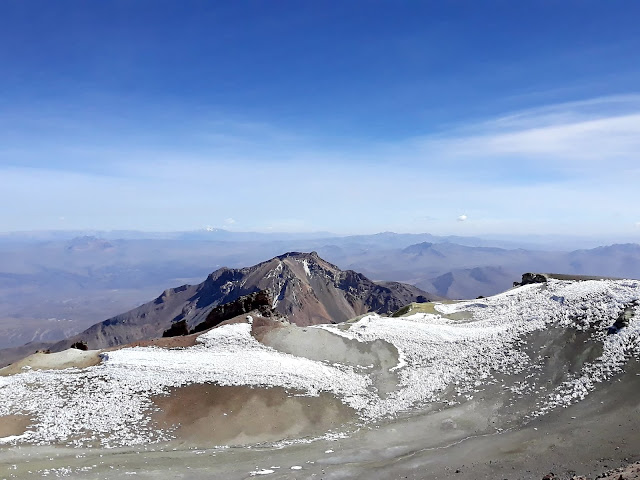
x=575 y=137
x=604 y=139
x=565 y=112
x=564 y=167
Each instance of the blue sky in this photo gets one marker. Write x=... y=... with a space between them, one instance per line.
x=353 y=117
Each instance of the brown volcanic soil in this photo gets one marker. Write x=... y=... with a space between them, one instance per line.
x=210 y=415
x=13 y=425
x=170 y=342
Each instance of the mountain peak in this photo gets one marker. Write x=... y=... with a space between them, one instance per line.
x=300 y=255
x=422 y=249
x=302 y=287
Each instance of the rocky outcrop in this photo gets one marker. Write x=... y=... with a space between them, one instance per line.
x=529 y=278
x=623 y=319
x=80 y=346
x=260 y=301
x=629 y=472
x=177 y=329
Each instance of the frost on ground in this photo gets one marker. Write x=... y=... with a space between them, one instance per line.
x=109 y=404
x=264 y=471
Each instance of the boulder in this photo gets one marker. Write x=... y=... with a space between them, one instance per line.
x=529 y=278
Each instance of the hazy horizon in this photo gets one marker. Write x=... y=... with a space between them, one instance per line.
x=547 y=241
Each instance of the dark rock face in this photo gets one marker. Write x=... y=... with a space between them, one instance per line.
x=177 y=329
x=529 y=278
x=302 y=287
x=623 y=319
x=260 y=301
x=80 y=346
x=388 y=297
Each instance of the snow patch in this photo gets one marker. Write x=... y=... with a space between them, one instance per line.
x=305 y=265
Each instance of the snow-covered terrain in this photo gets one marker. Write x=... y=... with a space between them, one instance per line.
x=440 y=360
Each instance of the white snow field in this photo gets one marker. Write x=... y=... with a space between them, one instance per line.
x=440 y=360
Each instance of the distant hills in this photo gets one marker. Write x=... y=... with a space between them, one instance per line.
x=459 y=271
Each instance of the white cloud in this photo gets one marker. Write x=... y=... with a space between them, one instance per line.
x=567 y=112
x=560 y=168
x=581 y=137
x=602 y=140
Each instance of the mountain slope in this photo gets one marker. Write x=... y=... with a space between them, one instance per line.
x=304 y=288
x=459 y=271
x=469 y=282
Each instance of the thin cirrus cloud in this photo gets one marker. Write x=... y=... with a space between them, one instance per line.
x=570 y=166
x=567 y=141
x=576 y=137
x=591 y=140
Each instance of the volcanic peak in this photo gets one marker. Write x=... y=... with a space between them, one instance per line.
x=302 y=287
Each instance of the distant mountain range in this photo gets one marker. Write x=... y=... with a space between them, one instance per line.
x=302 y=287
x=459 y=271
x=53 y=285
x=388 y=239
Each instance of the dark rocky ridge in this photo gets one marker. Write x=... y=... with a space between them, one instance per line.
x=302 y=287
x=176 y=329
x=260 y=301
